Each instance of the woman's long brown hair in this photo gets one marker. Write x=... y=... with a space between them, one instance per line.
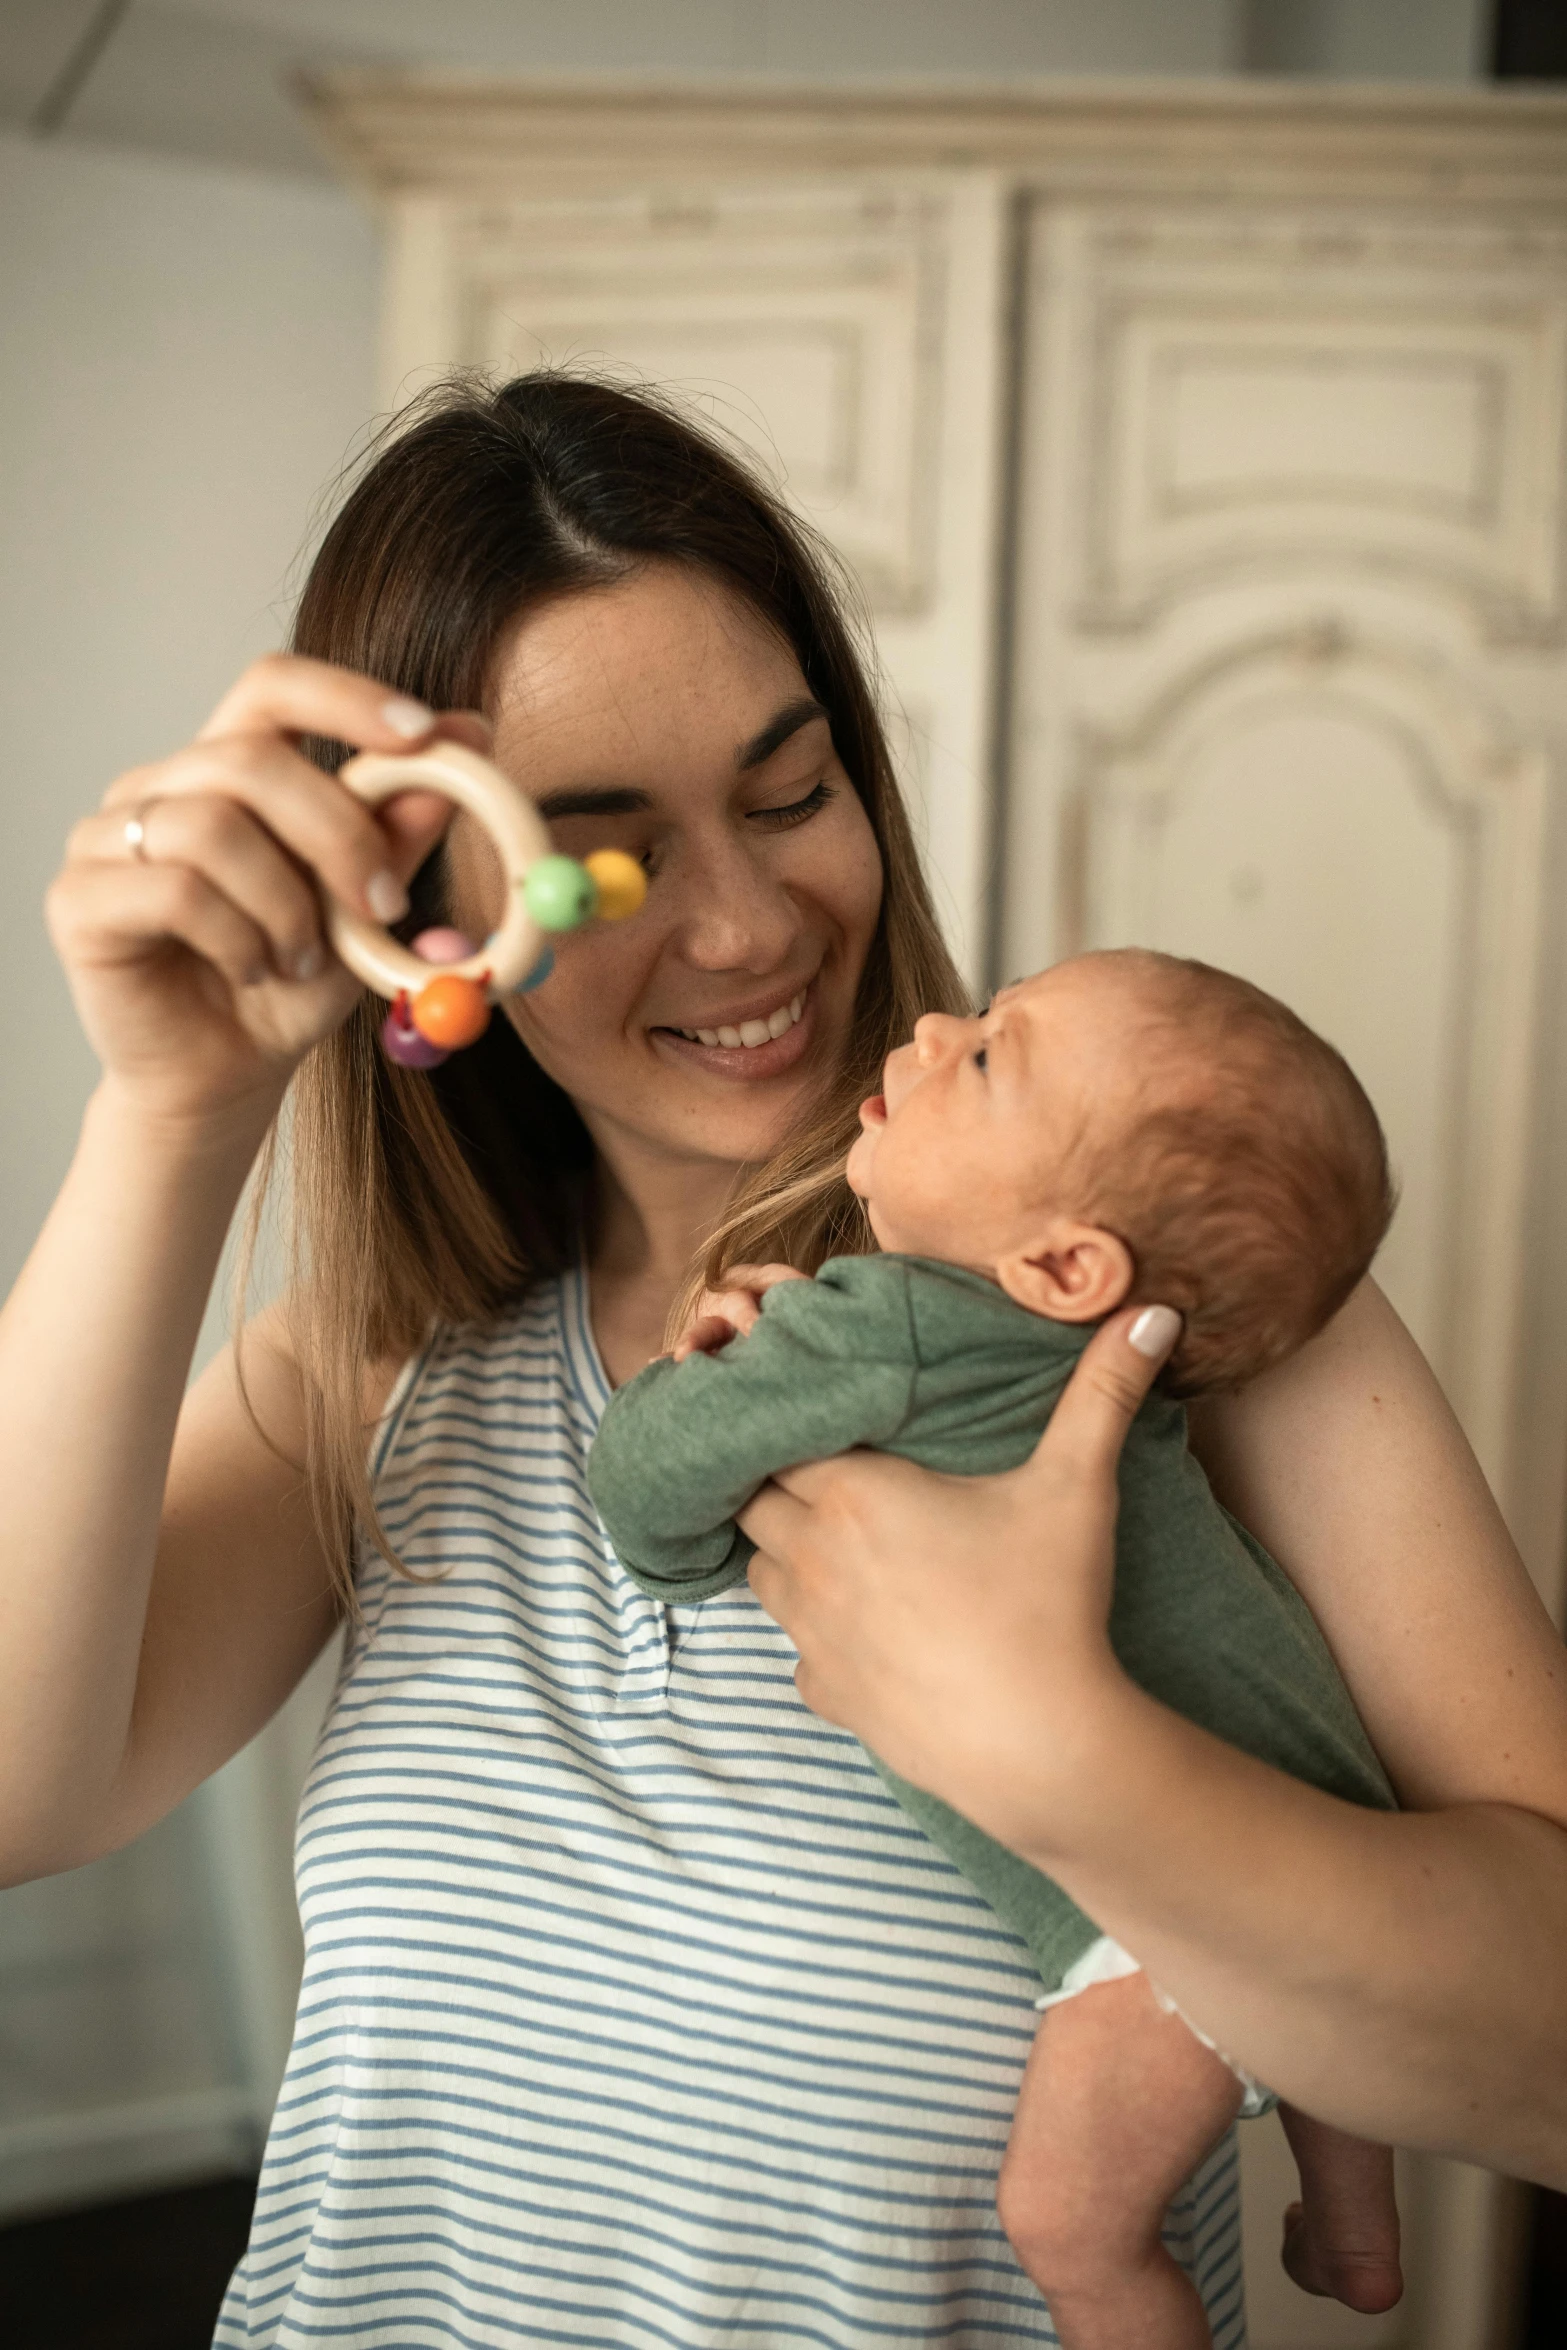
x=423 y=1199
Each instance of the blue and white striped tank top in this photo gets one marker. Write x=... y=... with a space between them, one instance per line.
x=635 y=2012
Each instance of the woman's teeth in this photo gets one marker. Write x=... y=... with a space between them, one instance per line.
x=750 y=1032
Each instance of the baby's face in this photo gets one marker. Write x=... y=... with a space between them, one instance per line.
x=963 y=1152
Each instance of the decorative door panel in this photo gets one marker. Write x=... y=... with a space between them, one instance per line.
x=1333 y=390
x=1333 y=820
x=847 y=333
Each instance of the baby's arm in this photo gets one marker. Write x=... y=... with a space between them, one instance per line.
x=828 y=1364
x=729 y=1312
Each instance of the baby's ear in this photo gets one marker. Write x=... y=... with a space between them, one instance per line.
x=1069 y=1272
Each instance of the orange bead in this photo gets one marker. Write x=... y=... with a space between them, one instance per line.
x=451 y=1011
x=622 y=884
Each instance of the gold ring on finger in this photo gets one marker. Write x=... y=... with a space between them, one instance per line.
x=135 y=831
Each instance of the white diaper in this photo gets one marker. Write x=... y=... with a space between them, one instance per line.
x=1105 y=1961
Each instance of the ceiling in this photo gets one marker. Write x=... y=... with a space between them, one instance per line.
x=209 y=79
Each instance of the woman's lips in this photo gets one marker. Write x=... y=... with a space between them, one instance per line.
x=873 y=1110
x=750 y=1063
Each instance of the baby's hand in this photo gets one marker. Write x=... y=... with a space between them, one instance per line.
x=723 y=1314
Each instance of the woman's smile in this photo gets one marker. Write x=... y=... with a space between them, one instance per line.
x=750 y=1042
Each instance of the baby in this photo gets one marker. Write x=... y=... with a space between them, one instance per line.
x=1124 y=1127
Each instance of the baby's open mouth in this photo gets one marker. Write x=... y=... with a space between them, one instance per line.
x=750 y=1033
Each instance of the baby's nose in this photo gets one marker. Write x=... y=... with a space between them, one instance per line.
x=935 y=1034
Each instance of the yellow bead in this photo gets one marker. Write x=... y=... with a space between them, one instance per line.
x=622 y=884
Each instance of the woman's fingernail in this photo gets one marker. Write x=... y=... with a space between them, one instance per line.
x=386 y=897
x=1155 y=1330
x=407 y=718
x=308 y=962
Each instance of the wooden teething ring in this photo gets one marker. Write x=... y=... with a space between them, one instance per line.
x=512 y=823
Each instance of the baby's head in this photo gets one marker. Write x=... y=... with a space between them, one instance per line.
x=1129 y=1127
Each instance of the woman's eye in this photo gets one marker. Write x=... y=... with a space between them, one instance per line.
x=796 y=811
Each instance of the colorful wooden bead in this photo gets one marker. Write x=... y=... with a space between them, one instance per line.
x=443 y=945
x=621 y=883
x=401 y=1041
x=559 y=893
x=451 y=1011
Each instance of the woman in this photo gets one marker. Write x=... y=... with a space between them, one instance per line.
x=632 y=2011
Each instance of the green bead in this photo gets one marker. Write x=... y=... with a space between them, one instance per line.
x=559 y=893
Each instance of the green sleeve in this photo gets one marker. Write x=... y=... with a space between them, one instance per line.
x=830 y=1365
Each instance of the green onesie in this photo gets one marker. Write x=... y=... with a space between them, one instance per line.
x=938 y=1365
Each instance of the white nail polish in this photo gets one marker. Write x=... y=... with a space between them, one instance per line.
x=386 y=897
x=407 y=718
x=1155 y=1331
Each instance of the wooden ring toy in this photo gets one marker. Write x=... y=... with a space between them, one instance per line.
x=437 y=1010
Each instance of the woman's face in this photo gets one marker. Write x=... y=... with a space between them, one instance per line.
x=662 y=716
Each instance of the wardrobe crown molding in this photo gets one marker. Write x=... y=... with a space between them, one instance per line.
x=442 y=134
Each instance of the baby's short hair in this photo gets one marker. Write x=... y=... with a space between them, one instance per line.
x=1250 y=1181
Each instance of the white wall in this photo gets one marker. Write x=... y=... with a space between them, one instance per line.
x=185 y=358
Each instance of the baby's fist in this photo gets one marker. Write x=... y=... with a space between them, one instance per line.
x=728 y=1313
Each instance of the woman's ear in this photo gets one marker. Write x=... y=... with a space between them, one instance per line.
x=1069 y=1273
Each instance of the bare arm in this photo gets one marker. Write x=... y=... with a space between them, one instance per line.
x=144 y=1640
x=160 y=1596
x=1348 y=1465
x=1405 y=1976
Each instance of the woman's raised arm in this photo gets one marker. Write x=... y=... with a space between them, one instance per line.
x=1404 y=1976
x=150 y=1621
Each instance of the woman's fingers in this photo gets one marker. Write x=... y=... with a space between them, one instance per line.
x=100 y=917
x=1104 y=1394
x=314 y=817
x=286 y=693
x=214 y=836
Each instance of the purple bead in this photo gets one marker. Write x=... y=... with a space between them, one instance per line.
x=401 y=1042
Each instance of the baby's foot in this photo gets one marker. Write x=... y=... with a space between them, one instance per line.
x=1353 y=2262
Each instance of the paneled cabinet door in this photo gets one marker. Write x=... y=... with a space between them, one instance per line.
x=1289 y=682
x=847 y=332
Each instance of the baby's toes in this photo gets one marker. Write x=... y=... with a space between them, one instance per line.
x=1365 y=2276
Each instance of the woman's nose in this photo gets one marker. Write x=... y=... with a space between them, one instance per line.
x=737 y=916
x=936 y=1034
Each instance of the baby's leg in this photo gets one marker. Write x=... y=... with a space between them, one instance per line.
x=1341 y=2239
x=1119 y=2104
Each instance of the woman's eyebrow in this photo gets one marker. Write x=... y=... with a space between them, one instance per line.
x=776 y=733
x=614 y=800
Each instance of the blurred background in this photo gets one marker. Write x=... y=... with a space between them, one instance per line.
x=1185 y=382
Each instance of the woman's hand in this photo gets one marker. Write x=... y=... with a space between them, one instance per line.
x=947 y=1620
x=729 y=1312
x=195 y=948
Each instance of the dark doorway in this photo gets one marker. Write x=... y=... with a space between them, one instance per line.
x=149 y=2274
x=1529 y=41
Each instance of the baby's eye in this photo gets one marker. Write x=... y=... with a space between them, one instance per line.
x=981 y=1058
